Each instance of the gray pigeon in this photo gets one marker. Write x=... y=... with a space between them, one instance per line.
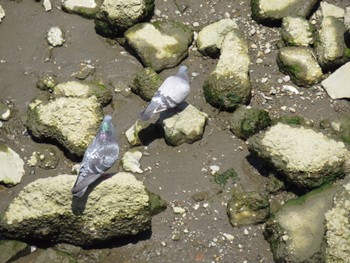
x=172 y=92
x=100 y=155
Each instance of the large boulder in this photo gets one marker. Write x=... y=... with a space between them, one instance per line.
x=211 y=37
x=296 y=231
x=297 y=31
x=306 y=158
x=161 y=44
x=337 y=85
x=116 y=16
x=338 y=227
x=267 y=11
x=85 y=8
x=229 y=85
x=73 y=122
x=116 y=207
x=79 y=89
x=300 y=64
x=330 y=46
x=187 y=126
x=12 y=166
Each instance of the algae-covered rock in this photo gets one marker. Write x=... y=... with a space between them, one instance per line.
x=229 y=84
x=54 y=256
x=146 y=83
x=79 y=89
x=85 y=8
x=222 y=178
x=12 y=166
x=300 y=64
x=211 y=37
x=12 y=250
x=297 y=31
x=73 y=122
x=187 y=126
x=161 y=44
x=268 y=11
x=306 y=158
x=116 y=16
x=246 y=121
x=330 y=46
x=46 y=82
x=296 y=231
x=247 y=208
x=338 y=227
x=341 y=126
x=116 y=207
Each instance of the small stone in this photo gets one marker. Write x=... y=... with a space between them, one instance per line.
x=214 y=169
x=157 y=12
x=55 y=36
x=285 y=237
x=246 y=232
x=2 y=13
x=259 y=61
x=47 y=5
x=229 y=237
x=179 y=210
x=195 y=24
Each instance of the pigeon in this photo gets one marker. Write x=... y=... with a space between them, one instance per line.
x=100 y=155
x=172 y=92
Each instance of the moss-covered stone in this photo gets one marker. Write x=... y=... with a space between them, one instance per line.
x=246 y=121
x=160 y=45
x=117 y=207
x=229 y=84
x=146 y=83
x=295 y=232
x=80 y=89
x=247 y=208
x=73 y=122
x=116 y=16
x=297 y=31
x=300 y=64
x=12 y=250
x=222 y=178
x=306 y=158
x=270 y=11
x=5 y=112
x=293 y=120
x=55 y=256
x=46 y=82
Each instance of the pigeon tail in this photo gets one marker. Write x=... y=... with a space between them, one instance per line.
x=78 y=193
x=150 y=111
x=83 y=181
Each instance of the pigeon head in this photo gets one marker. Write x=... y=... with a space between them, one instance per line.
x=182 y=73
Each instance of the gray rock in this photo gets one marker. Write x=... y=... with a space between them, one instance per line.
x=246 y=121
x=160 y=45
x=12 y=250
x=305 y=158
x=146 y=83
x=85 y=70
x=79 y=89
x=297 y=31
x=187 y=126
x=300 y=64
x=116 y=16
x=296 y=231
x=85 y=8
x=338 y=228
x=330 y=45
x=55 y=37
x=12 y=166
x=131 y=162
x=46 y=82
x=274 y=10
x=117 y=207
x=337 y=85
x=247 y=208
x=229 y=84
x=211 y=37
x=5 y=112
x=73 y=122
x=142 y=133
x=2 y=13
x=328 y=9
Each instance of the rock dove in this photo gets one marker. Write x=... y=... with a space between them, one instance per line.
x=172 y=92
x=100 y=155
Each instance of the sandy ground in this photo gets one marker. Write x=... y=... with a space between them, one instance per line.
x=175 y=173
